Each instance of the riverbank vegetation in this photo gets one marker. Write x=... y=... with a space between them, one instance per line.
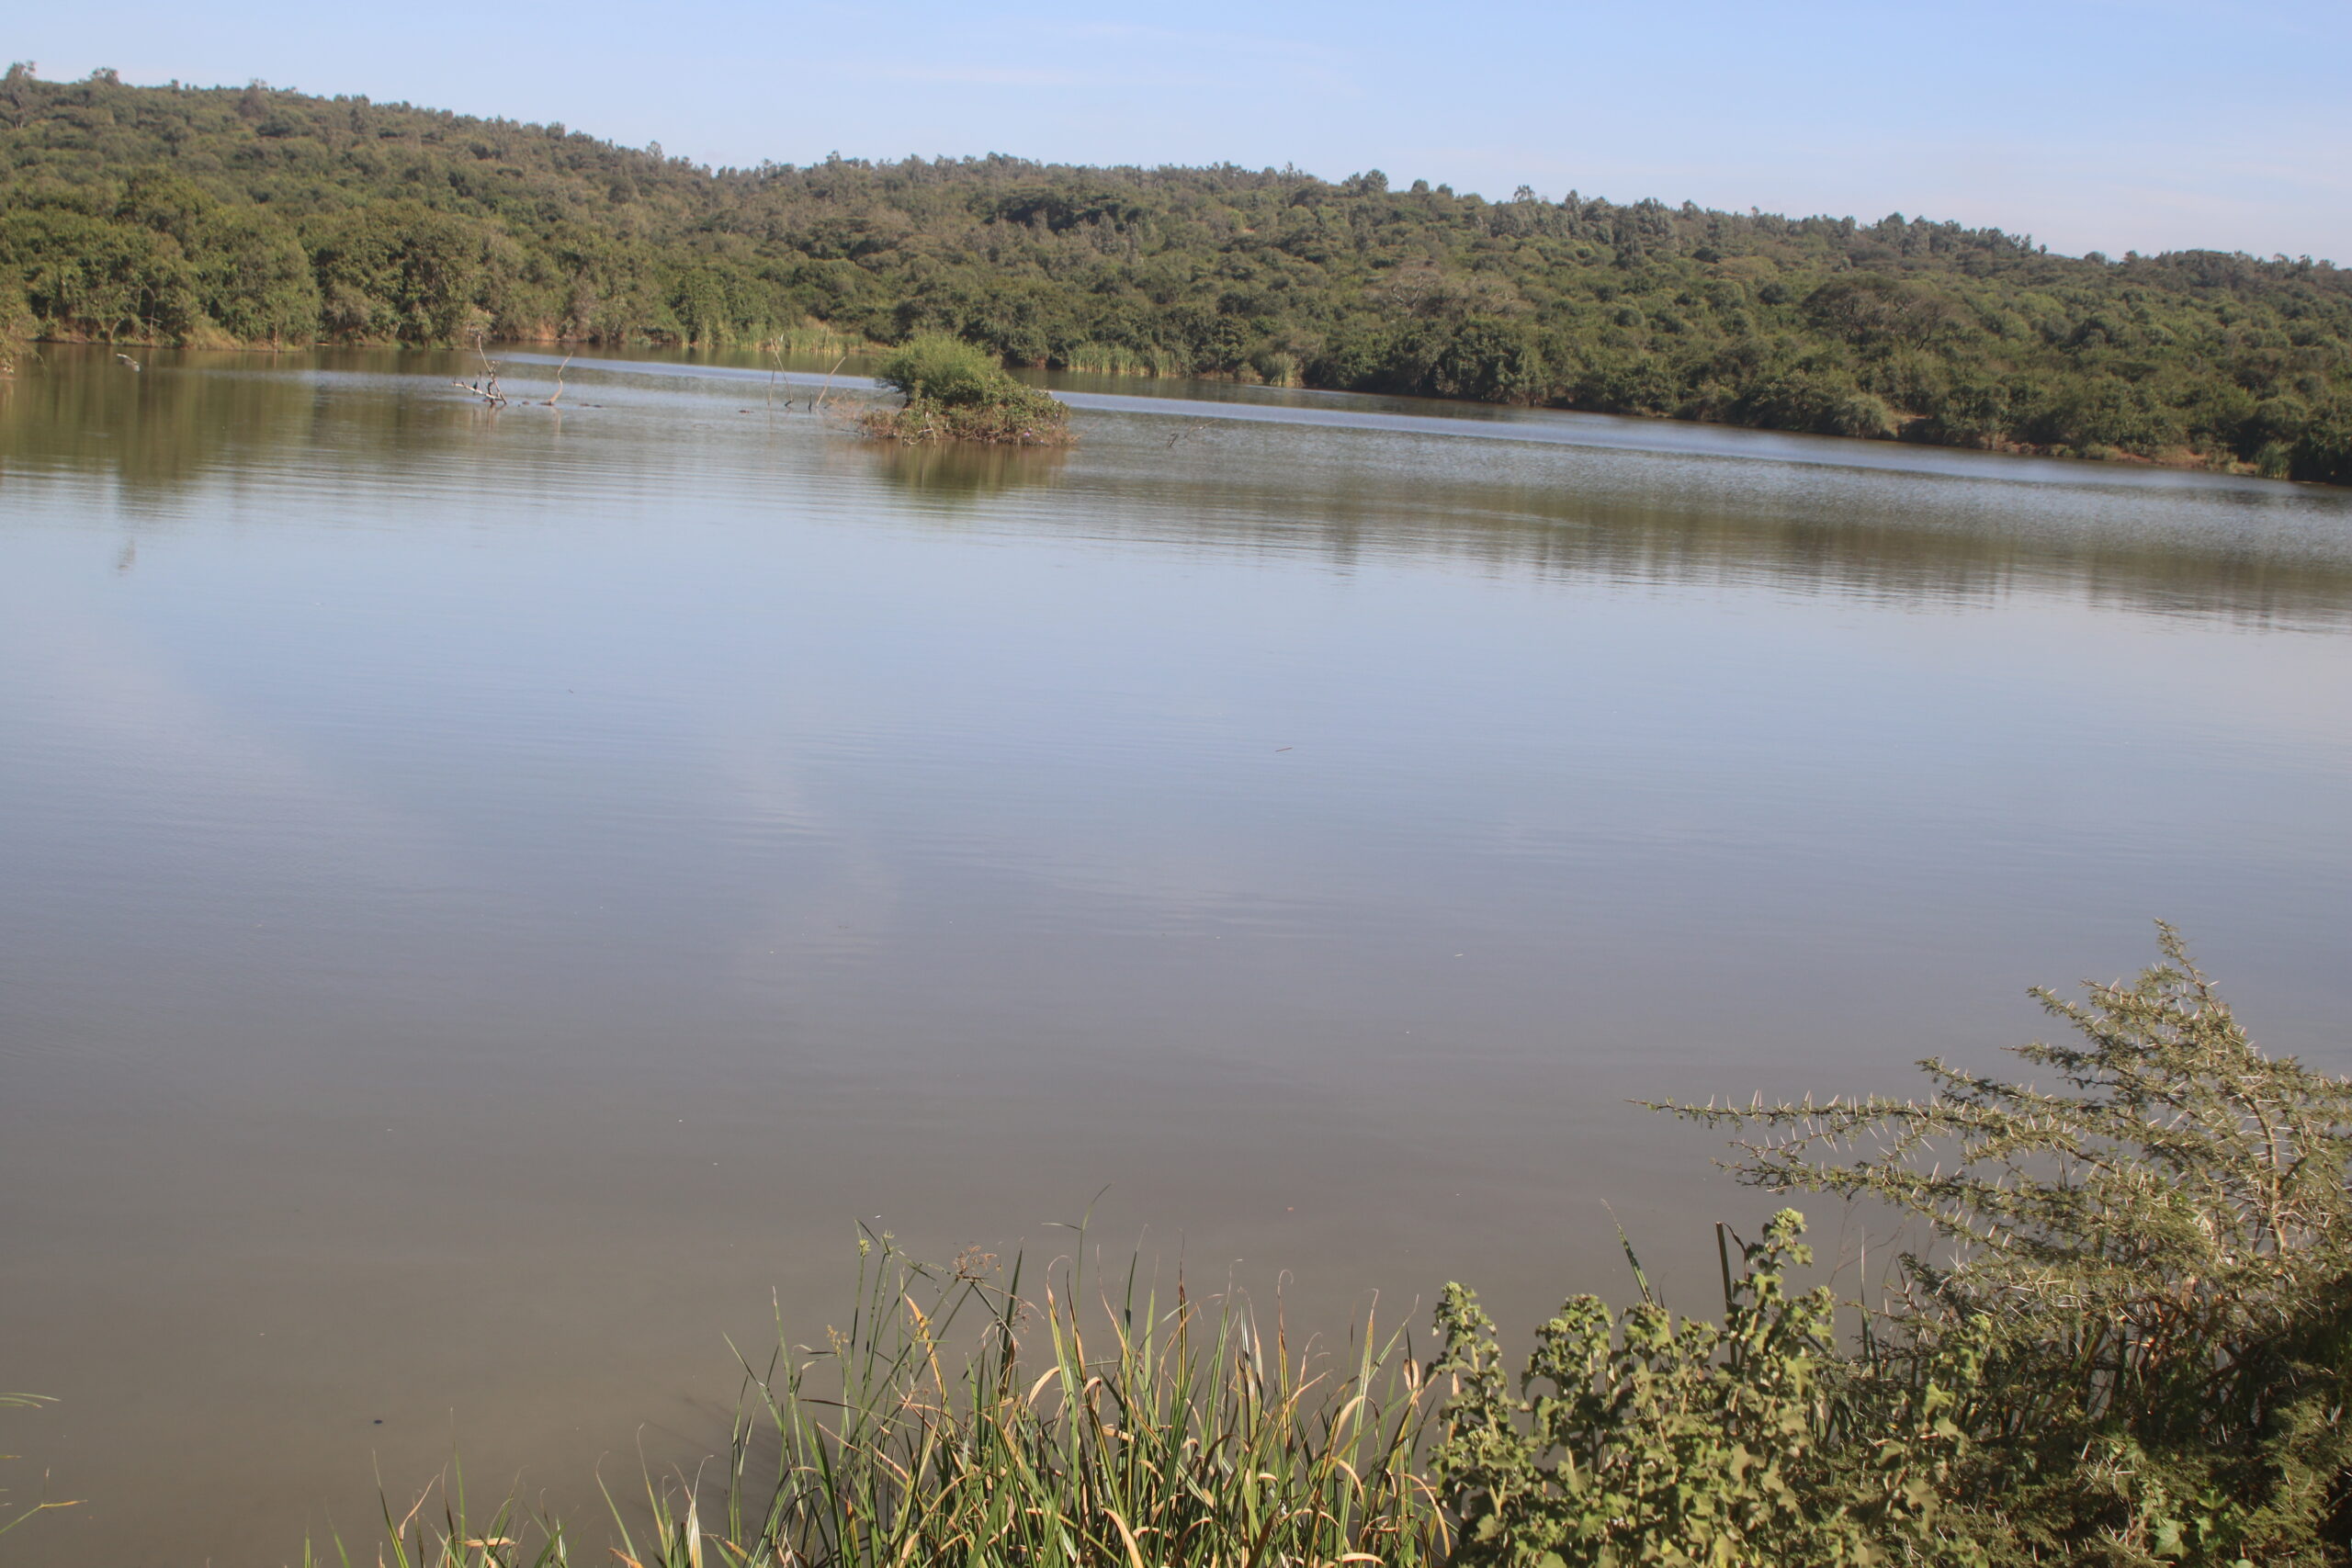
x=2122 y=1336
x=254 y=216
x=957 y=391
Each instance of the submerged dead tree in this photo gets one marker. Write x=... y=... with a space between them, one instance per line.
x=486 y=387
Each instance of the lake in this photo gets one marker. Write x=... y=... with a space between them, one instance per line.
x=490 y=901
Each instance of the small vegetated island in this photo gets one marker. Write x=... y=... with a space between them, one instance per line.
x=253 y=216
x=957 y=391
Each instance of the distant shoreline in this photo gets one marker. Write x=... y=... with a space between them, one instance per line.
x=2173 y=462
x=222 y=217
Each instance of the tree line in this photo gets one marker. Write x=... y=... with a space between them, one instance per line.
x=252 y=216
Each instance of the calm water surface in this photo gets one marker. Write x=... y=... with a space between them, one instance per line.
x=489 y=901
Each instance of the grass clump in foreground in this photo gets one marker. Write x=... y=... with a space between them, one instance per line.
x=2124 y=1339
x=958 y=1418
x=957 y=391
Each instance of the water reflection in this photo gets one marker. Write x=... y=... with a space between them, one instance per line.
x=951 y=474
x=2255 y=553
x=2258 y=557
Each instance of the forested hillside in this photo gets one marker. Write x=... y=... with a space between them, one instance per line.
x=253 y=216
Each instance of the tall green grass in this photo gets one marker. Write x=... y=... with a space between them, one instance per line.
x=961 y=1417
x=1115 y=359
x=815 y=337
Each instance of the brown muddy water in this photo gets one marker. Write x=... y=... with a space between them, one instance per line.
x=489 y=901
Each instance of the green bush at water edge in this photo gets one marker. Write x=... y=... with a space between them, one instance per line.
x=2126 y=1336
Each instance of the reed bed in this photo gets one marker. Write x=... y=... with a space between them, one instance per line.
x=815 y=337
x=1115 y=359
x=961 y=1418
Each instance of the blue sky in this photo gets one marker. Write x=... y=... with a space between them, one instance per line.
x=2106 y=125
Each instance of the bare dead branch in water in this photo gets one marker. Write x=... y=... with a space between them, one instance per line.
x=487 y=388
x=559 y=376
x=774 y=347
x=828 y=389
